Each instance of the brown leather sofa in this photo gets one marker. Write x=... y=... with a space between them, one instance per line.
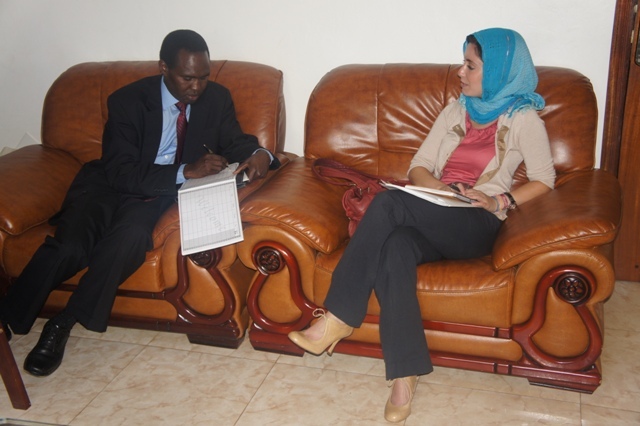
x=202 y=295
x=533 y=309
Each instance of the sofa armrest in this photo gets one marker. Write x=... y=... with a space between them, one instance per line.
x=298 y=202
x=251 y=187
x=33 y=182
x=583 y=211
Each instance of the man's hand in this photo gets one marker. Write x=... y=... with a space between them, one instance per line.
x=256 y=166
x=208 y=164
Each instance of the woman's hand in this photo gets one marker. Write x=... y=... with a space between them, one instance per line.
x=526 y=192
x=488 y=203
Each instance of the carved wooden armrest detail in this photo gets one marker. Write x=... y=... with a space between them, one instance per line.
x=270 y=258
x=208 y=260
x=573 y=285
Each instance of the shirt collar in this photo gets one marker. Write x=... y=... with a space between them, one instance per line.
x=167 y=98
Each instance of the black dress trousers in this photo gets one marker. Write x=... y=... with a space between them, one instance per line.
x=398 y=232
x=97 y=228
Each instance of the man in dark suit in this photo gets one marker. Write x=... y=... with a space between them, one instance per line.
x=108 y=216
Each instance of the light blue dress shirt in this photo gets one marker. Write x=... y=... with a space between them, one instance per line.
x=168 y=141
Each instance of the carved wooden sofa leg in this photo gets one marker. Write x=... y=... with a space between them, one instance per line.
x=218 y=330
x=573 y=285
x=11 y=375
x=269 y=258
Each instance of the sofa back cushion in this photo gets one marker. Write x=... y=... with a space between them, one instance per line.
x=75 y=108
x=374 y=117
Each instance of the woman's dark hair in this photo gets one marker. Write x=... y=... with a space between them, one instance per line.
x=471 y=39
x=176 y=40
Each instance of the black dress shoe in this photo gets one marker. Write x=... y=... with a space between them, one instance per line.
x=46 y=356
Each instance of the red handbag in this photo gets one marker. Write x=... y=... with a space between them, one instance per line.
x=362 y=187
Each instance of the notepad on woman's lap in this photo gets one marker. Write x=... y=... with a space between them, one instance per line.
x=436 y=196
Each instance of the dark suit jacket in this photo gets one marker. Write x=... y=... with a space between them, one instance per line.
x=132 y=135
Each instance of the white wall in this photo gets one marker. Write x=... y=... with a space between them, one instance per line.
x=39 y=39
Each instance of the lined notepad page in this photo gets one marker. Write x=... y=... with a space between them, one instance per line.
x=209 y=212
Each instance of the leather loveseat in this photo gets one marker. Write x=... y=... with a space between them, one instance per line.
x=202 y=295
x=533 y=308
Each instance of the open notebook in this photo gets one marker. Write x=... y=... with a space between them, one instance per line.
x=210 y=212
x=442 y=198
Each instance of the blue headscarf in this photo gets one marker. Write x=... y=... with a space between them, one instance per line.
x=509 y=77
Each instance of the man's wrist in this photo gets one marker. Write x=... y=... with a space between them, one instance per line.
x=265 y=150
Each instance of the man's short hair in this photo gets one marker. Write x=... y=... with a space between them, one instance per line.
x=176 y=40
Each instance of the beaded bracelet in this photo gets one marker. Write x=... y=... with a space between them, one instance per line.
x=497 y=204
x=505 y=201
x=508 y=202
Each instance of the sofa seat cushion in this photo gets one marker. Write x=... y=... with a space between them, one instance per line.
x=466 y=292
x=456 y=291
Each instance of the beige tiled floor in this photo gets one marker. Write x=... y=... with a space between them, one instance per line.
x=132 y=377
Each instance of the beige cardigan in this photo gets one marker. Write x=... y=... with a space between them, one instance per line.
x=521 y=137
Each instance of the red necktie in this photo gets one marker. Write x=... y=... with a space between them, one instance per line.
x=181 y=130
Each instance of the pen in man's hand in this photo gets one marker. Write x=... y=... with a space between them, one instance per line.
x=210 y=151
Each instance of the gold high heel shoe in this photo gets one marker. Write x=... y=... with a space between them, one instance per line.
x=333 y=333
x=397 y=413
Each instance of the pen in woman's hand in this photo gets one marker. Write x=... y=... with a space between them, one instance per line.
x=208 y=149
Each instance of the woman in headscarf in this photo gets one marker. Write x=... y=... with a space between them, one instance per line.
x=475 y=146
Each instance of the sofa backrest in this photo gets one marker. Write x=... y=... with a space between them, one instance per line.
x=75 y=108
x=374 y=117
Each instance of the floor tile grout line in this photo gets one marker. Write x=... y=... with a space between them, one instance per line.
x=626 y=410
x=273 y=365
x=142 y=348
x=499 y=392
x=322 y=368
x=609 y=328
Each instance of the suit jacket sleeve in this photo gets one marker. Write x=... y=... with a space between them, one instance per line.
x=213 y=123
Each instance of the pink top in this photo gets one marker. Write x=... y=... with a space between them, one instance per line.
x=470 y=158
